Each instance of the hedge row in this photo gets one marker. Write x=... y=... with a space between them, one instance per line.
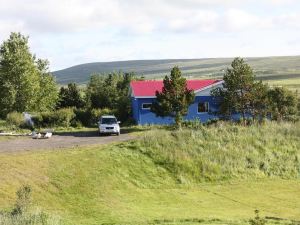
x=65 y=117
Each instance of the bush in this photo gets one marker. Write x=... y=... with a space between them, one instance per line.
x=76 y=124
x=83 y=116
x=90 y=117
x=257 y=219
x=59 y=118
x=63 y=117
x=97 y=113
x=15 y=120
x=70 y=117
x=38 y=120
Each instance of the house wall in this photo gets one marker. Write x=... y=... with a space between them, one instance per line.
x=144 y=116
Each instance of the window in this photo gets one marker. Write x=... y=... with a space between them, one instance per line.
x=108 y=121
x=146 y=106
x=203 y=107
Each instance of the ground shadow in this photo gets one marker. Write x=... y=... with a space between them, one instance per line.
x=78 y=133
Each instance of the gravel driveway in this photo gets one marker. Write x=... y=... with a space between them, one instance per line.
x=64 y=140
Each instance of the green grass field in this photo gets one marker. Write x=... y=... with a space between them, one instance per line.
x=292 y=84
x=160 y=179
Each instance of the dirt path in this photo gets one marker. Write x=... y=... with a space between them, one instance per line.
x=65 y=140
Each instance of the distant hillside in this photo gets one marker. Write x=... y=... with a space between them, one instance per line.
x=267 y=68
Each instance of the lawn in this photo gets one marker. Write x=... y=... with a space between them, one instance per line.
x=98 y=185
x=145 y=182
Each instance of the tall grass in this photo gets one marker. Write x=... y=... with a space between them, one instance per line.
x=225 y=151
x=36 y=218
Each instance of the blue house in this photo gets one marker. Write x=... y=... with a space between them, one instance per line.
x=204 y=107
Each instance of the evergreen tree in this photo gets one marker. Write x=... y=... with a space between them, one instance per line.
x=94 y=92
x=70 y=96
x=175 y=98
x=237 y=92
x=259 y=103
x=110 y=91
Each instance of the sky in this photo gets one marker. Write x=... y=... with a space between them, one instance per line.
x=71 y=32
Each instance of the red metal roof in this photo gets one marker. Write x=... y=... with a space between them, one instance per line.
x=149 y=87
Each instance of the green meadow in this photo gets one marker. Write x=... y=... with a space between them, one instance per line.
x=207 y=175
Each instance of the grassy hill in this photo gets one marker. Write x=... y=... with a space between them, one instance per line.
x=214 y=175
x=283 y=70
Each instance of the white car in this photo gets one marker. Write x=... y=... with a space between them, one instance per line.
x=109 y=125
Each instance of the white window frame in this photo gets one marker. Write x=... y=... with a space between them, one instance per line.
x=198 y=107
x=143 y=108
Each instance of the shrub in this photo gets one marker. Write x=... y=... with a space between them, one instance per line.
x=97 y=113
x=83 y=116
x=38 y=120
x=257 y=219
x=15 y=120
x=23 y=200
x=70 y=117
x=59 y=118
x=63 y=117
x=76 y=124
x=90 y=117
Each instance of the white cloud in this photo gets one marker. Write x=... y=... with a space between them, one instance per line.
x=237 y=19
x=141 y=16
x=65 y=30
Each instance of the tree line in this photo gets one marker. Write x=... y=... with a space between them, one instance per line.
x=26 y=85
x=241 y=94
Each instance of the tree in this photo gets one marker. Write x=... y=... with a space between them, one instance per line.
x=25 y=85
x=70 y=96
x=298 y=104
x=259 y=103
x=282 y=103
x=237 y=92
x=123 y=107
x=18 y=75
x=175 y=97
x=94 y=92
x=110 y=91
x=48 y=94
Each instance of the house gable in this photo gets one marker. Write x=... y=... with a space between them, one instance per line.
x=207 y=90
x=147 y=89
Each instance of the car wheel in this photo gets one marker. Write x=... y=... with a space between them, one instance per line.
x=118 y=133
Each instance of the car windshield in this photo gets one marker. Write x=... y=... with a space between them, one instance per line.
x=108 y=121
